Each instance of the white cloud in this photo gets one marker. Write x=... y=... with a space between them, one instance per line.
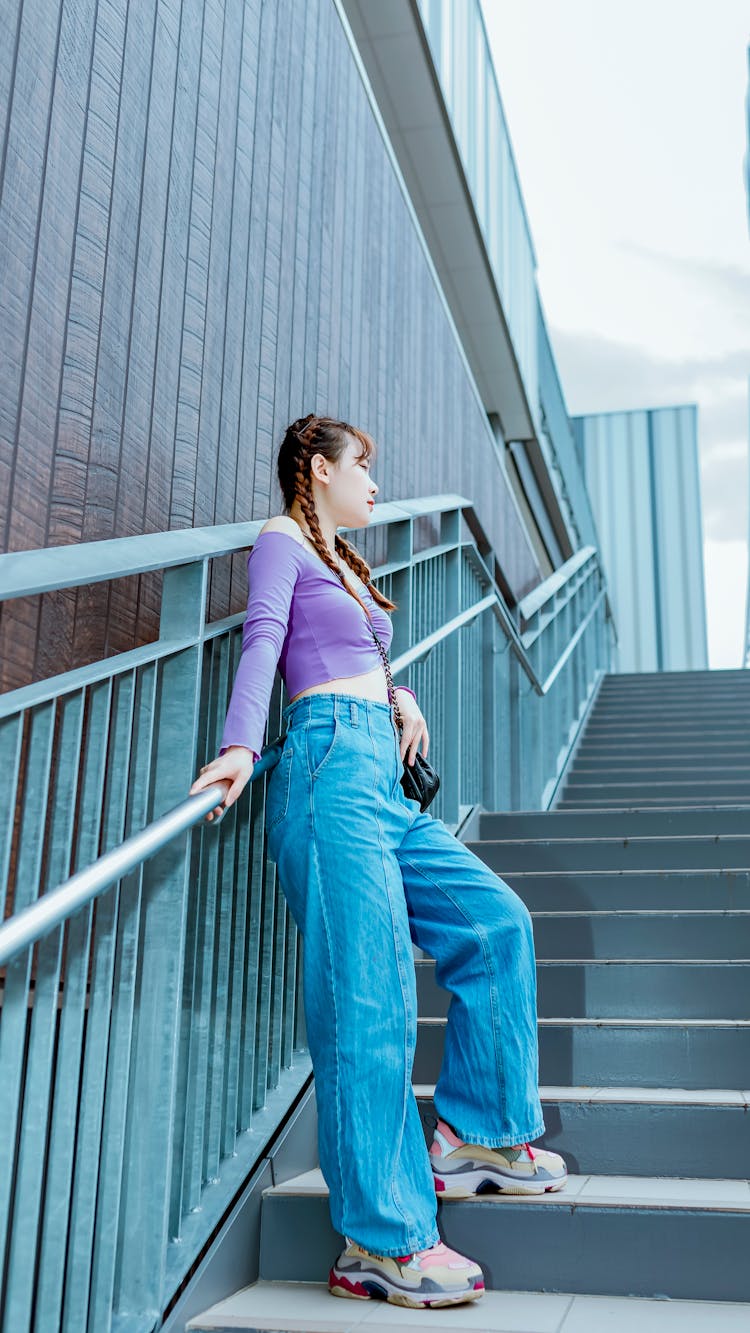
x=726 y=576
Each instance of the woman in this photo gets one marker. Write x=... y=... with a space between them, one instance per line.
x=365 y=875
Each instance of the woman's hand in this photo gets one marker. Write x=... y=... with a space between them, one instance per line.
x=234 y=766
x=415 y=727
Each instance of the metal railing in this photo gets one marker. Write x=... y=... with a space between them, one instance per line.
x=151 y=1032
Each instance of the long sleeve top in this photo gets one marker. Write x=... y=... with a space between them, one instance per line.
x=300 y=618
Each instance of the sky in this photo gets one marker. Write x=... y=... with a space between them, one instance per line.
x=628 y=126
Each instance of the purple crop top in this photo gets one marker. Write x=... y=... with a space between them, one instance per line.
x=301 y=618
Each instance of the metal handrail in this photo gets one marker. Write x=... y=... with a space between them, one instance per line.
x=55 y=906
x=51 y=568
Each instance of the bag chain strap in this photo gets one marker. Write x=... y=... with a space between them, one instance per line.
x=389 y=679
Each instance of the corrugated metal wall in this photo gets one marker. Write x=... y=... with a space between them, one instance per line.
x=643 y=478
x=202 y=236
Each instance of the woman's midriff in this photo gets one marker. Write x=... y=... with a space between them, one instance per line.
x=368 y=685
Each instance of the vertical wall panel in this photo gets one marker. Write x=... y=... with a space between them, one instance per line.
x=643 y=478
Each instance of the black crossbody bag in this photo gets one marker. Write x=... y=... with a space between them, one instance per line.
x=419 y=780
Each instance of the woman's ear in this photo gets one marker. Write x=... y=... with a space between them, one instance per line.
x=320 y=468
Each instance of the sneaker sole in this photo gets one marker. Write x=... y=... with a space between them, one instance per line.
x=382 y=1290
x=469 y=1183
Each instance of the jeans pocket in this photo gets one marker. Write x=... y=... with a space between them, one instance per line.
x=277 y=791
x=320 y=734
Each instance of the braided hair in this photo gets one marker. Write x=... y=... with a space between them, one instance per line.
x=322 y=435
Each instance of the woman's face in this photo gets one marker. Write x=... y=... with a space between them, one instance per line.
x=350 y=493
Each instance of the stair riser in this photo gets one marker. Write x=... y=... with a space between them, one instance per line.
x=556 y=824
x=650 y=803
x=656 y=732
x=725 y=713
x=620 y=990
x=640 y=1139
x=619 y=1057
x=675 y=753
x=722 y=937
x=703 y=775
x=646 y=854
x=580 y=892
x=674 y=788
x=526 y=1246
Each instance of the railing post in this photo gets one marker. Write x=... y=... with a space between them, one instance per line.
x=491 y=696
x=166 y=884
x=451 y=762
x=399 y=550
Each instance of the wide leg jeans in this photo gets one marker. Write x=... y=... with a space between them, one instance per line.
x=366 y=874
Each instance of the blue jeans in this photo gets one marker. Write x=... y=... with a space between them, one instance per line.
x=365 y=874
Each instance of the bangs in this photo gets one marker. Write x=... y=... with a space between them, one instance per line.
x=368 y=448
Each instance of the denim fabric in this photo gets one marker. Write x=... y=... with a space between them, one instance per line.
x=365 y=875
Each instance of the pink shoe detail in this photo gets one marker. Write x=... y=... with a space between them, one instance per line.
x=448 y=1134
x=439 y=1256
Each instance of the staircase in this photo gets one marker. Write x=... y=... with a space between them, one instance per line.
x=639 y=885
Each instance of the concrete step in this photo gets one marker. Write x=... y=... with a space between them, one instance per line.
x=653 y=853
x=647 y=748
x=675 y=822
x=578 y=890
x=620 y=989
x=653 y=1053
x=661 y=771
x=675 y=788
x=600 y=802
x=647 y=934
x=682 y=1239
x=624 y=711
x=637 y=767
x=655 y=729
x=638 y=1131
x=308 y=1307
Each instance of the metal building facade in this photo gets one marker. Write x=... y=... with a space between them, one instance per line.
x=642 y=475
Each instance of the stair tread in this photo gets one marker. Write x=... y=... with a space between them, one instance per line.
x=629 y=1096
x=702 y=912
x=656 y=1023
x=668 y=1192
x=308 y=1307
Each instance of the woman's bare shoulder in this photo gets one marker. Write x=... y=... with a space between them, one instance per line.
x=283 y=523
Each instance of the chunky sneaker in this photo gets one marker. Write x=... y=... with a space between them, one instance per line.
x=462 y=1169
x=437 y=1276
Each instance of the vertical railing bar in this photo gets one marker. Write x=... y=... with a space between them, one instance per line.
x=28 y=1209
x=114 y=1018
x=79 y=1017
x=201 y=1029
x=277 y=987
x=237 y=890
x=144 y=1215
x=268 y=901
x=64 y=1116
x=252 y=953
x=300 y=1033
x=16 y=992
x=243 y=880
x=183 y=1140
x=290 y=987
x=220 y=867
x=11 y=736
